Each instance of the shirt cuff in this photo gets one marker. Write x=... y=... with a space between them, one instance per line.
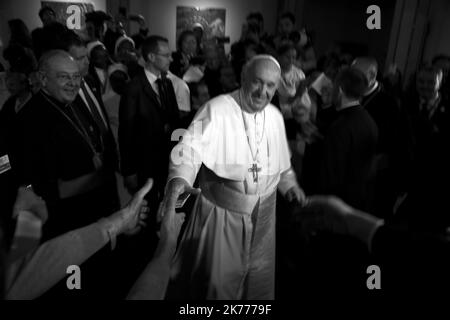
x=183 y=171
x=288 y=180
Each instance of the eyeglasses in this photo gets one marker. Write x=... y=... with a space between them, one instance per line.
x=66 y=77
x=165 y=55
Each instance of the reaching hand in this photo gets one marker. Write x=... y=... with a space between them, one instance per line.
x=171 y=226
x=131 y=218
x=27 y=200
x=325 y=213
x=175 y=188
x=295 y=194
x=329 y=213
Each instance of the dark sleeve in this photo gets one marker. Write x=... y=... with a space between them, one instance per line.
x=333 y=163
x=127 y=131
x=36 y=154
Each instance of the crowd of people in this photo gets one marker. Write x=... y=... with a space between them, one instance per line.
x=347 y=162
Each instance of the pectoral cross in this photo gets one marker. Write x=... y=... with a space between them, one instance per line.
x=254 y=169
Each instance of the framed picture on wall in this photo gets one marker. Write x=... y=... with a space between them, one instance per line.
x=211 y=20
x=70 y=14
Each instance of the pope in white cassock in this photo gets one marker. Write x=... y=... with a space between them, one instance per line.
x=237 y=146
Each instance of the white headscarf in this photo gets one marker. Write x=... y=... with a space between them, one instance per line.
x=120 y=40
x=91 y=45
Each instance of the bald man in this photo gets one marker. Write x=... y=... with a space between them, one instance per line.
x=393 y=154
x=237 y=147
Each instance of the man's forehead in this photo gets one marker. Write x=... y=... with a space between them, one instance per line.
x=62 y=64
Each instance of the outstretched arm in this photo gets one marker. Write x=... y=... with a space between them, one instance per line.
x=152 y=283
x=35 y=273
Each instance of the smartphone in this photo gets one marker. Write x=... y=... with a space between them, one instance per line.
x=182 y=200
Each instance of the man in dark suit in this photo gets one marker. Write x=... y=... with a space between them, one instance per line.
x=429 y=115
x=349 y=144
x=393 y=154
x=148 y=114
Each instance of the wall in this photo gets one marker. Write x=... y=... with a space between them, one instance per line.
x=27 y=10
x=345 y=21
x=438 y=39
x=161 y=14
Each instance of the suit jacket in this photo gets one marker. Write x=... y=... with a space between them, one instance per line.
x=347 y=162
x=427 y=202
x=110 y=142
x=145 y=129
x=392 y=124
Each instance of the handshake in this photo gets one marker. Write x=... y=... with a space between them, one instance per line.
x=331 y=214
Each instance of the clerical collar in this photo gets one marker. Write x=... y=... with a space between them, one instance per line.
x=349 y=104
x=368 y=93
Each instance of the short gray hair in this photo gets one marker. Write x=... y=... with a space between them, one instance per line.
x=45 y=60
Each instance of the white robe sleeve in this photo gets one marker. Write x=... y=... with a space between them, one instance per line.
x=186 y=157
x=288 y=179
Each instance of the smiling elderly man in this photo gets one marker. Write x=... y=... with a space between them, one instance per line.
x=63 y=154
x=63 y=151
x=242 y=157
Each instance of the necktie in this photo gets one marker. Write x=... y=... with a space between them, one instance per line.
x=94 y=110
x=162 y=88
